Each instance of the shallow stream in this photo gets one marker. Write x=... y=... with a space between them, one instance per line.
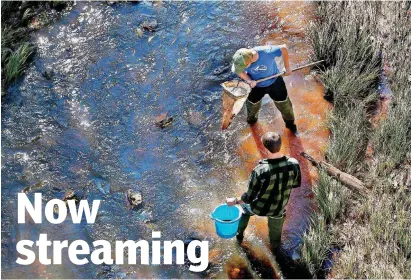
x=91 y=128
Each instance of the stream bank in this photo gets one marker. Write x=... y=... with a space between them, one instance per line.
x=370 y=231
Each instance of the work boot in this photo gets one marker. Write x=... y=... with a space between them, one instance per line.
x=252 y=111
x=239 y=238
x=291 y=126
x=286 y=109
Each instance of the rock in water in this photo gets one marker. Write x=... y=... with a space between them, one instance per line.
x=102 y=185
x=150 y=26
x=135 y=198
x=164 y=121
x=73 y=195
x=48 y=73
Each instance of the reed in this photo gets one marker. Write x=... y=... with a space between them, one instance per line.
x=373 y=233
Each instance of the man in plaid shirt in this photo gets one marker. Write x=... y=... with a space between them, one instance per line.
x=269 y=189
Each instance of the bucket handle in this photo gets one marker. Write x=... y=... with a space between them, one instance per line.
x=225 y=222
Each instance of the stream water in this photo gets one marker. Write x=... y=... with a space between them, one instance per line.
x=91 y=128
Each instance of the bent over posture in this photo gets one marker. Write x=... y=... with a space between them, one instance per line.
x=257 y=63
x=269 y=189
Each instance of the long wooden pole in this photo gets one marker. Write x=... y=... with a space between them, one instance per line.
x=346 y=179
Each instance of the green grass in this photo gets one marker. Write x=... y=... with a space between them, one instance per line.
x=349 y=136
x=374 y=231
x=352 y=63
x=16 y=62
x=330 y=196
x=391 y=139
x=331 y=199
x=15 y=48
x=316 y=245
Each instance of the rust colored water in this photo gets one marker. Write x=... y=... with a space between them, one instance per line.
x=92 y=129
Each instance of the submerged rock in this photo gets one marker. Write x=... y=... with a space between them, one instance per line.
x=164 y=121
x=102 y=185
x=70 y=195
x=48 y=73
x=34 y=187
x=134 y=198
x=139 y=32
x=73 y=195
x=150 y=26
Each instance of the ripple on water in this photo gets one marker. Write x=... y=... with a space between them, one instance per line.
x=91 y=126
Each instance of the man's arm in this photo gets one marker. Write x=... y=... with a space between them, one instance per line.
x=243 y=75
x=286 y=59
x=252 y=191
x=297 y=182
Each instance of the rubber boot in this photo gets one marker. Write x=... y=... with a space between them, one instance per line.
x=291 y=126
x=286 y=109
x=252 y=111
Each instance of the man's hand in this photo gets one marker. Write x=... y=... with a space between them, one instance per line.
x=286 y=60
x=287 y=72
x=231 y=201
x=252 y=83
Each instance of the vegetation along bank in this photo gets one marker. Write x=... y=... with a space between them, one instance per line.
x=364 y=45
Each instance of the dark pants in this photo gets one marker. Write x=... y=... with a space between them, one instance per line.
x=275 y=227
x=277 y=91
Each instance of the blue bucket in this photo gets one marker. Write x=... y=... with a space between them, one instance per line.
x=226 y=220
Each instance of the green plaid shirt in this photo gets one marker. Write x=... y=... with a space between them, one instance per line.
x=270 y=185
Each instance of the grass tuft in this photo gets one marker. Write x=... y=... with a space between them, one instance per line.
x=316 y=245
x=375 y=235
x=348 y=142
x=330 y=196
x=16 y=62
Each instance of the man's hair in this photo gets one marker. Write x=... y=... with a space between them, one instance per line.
x=272 y=141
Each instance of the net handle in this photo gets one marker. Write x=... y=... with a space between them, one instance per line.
x=282 y=73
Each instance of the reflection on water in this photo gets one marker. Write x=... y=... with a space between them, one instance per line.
x=92 y=128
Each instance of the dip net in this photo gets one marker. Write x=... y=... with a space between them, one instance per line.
x=235 y=93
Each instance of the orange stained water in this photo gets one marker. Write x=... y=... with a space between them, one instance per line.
x=310 y=110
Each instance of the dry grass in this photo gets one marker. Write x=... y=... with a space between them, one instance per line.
x=374 y=233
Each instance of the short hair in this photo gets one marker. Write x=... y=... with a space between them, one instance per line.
x=272 y=141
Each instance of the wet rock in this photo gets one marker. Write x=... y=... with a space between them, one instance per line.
x=134 y=198
x=139 y=32
x=111 y=272
x=146 y=216
x=33 y=188
x=102 y=185
x=164 y=121
x=73 y=195
x=70 y=195
x=150 y=26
